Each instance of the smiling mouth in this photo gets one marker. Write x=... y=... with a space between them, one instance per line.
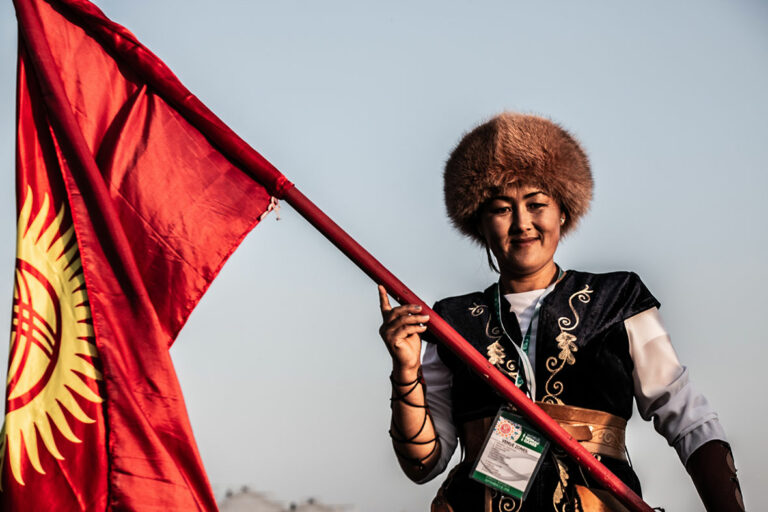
x=524 y=241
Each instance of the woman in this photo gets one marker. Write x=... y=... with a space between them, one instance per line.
x=582 y=345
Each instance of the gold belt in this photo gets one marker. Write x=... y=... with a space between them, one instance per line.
x=601 y=433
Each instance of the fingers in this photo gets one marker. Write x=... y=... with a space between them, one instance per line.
x=393 y=312
x=402 y=311
x=400 y=330
x=406 y=330
x=384 y=300
x=401 y=320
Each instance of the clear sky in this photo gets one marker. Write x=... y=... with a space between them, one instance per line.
x=359 y=104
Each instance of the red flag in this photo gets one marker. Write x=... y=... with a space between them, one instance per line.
x=131 y=195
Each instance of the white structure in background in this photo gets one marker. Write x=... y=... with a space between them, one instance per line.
x=250 y=501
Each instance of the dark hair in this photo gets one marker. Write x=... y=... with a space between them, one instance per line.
x=491 y=263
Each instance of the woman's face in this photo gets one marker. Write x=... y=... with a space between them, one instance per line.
x=522 y=228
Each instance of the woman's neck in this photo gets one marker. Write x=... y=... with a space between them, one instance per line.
x=518 y=283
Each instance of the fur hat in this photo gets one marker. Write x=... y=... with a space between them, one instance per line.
x=515 y=148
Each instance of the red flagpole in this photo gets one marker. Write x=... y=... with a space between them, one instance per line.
x=143 y=62
x=464 y=350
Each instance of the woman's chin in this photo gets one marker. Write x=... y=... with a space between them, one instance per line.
x=522 y=267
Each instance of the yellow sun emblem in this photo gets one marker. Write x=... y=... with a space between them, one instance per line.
x=52 y=342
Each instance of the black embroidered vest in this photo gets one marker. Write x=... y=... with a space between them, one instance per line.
x=582 y=350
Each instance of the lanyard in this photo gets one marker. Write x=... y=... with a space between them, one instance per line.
x=522 y=350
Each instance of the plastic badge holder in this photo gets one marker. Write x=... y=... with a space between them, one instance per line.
x=511 y=456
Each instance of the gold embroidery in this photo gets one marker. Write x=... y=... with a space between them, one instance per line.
x=566 y=344
x=477 y=309
x=497 y=357
x=495 y=352
x=557 y=497
x=506 y=503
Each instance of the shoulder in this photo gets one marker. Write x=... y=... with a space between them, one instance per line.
x=622 y=281
x=617 y=294
x=462 y=312
x=619 y=278
x=458 y=303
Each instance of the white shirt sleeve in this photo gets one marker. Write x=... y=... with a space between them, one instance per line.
x=662 y=390
x=438 y=378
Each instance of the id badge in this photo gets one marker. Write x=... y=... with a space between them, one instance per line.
x=511 y=455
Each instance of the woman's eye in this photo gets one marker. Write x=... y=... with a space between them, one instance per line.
x=498 y=210
x=536 y=206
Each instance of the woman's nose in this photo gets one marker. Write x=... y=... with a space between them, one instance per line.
x=521 y=220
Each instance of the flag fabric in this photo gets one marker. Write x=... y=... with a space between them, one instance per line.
x=130 y=197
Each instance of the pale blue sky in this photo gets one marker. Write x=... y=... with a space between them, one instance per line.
x=359 y=104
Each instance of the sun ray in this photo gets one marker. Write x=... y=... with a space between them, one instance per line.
x=64 y=248
x=58 y=419
x=75 y=384
x=46 y=434
x=49 y=237
x=30 y=440
x=37 y=224
x=74 y=267
x=79 y=296
x=68 y=254
x=13 y=446
x=71 y=404
x=84 y=367
x=24 y=214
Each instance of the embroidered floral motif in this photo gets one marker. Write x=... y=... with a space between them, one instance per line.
x=557 y=498
x=495 y=352
x=566 y=342
x=497 y=356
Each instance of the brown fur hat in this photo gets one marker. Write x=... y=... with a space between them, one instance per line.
x=510 y=149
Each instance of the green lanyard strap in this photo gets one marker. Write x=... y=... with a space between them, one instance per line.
x=522 y=350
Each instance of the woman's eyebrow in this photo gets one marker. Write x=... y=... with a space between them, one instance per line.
x=526 y=196
x=510 y=199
